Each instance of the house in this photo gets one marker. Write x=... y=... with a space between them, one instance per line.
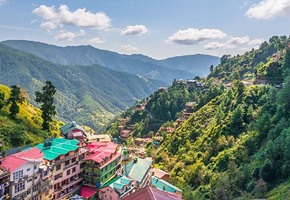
x=165 y=186
x=160 y=174
x=139 y=170
x=66 y=159
x=102 y=163
x=150 y=193
x=99 y=138
x=117 y=188
x=24 y=174
x=4 y=182
x=125 y=133
x=72 y=130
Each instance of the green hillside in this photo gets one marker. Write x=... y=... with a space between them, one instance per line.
x=91 y=95
x=236 y=143
x=26 y=129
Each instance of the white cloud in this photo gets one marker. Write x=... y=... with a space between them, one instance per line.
x=256 y=42
x=96 y=40
x=217 y=45
x=135 y=30
x=63 y=16
x=267 y=9
x=129 y=48
x=239 y=40
x=66 y=35
x=193 y=36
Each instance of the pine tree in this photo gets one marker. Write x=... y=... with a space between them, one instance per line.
x=15 y=97
x=47 y=107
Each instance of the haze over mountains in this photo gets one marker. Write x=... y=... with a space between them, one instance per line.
x=182 y=67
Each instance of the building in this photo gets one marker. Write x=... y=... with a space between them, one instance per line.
x=4 y=183
x=99 y=138
x=102 y=163
x=150 y=193
x=88 y=193
x=46 y=181
x=66 y=159
x=160 y=174
x=72 y=130
x=117 y=188
x=24 y=174
x=139 y=170
x=165 y=186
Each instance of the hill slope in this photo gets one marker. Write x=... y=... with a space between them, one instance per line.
x=90 y=95
x=166 y=70
x=26 y=129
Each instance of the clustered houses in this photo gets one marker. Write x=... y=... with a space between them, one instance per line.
x=61 y=168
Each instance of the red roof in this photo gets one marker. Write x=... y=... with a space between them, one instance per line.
x=101 y=150
x=149 y=193
x=87 y=192
x=15 y=161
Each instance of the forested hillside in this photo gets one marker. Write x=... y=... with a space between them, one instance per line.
x=236 y=142
x=91 y=95
x=26 y=128
x=237 y=145
x=184 y=67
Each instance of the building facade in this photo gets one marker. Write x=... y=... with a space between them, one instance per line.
x=66 y=160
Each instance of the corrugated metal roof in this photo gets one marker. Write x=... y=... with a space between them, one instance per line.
x=138 y=169
x=60 y=146
x=163 y=185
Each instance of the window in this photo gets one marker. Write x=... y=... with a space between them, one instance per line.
x=58 y=167
x=28 y=169
x=56 y=159
x=17 y=175
x=73 y=160
x=66 y=163
x=73 y=170
x=35 y=188
x=29 y=180
x=68 y=172
x=20 y=186
x=28 y=191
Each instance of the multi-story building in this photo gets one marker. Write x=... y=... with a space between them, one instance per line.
x=4 y=183
x=117 y=188
x=102 y=163
x=24 y=174
x=66 y=159
x=139 y=170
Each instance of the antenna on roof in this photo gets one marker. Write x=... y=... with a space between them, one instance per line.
x=47 y=143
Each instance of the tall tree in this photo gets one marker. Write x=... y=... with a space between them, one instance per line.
x=47 y=107
x=15 y=97
x=211 y=68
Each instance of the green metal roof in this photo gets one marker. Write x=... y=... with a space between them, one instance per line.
x=110 y=182
x=163 y=185
x=69 y=127
x=139 y=169
x=60 y=146
x=118 y=185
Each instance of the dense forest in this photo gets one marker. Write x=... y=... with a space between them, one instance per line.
x=236 y=143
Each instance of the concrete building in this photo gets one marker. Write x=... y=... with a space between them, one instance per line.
x=4 y=183
x=24 y=174
x=72 y=130
x=66 y=159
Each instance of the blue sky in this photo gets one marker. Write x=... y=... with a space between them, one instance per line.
x=157 y=28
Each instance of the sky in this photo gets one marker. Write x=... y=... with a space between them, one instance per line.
x=156 y=28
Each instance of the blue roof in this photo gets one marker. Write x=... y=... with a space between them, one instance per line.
x=120 y=182
x=163 y=185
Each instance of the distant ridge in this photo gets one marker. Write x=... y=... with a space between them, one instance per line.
x=181 y=67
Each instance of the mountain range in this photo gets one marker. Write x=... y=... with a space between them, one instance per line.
x=91 y=94
x=181 y=67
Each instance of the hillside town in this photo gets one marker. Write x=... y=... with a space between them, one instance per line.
x=80 y=165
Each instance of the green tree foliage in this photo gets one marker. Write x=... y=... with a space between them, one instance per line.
x=14 y=99
x=2 y=100
x=46 y=98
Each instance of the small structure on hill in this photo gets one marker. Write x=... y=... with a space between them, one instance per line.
x=72 y=130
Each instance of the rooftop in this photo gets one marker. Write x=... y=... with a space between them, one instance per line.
x=101 y=151
x=137 y=169
x=59 y=146
x=150 y=193
x=87 y=192
x=163 y=185
x=67 y=128
x=14 y=161
x=159 y=173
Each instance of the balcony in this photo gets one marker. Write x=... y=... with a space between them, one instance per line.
x=24 y=178
x=70 y=165
x=70 y=192
x=89 y=174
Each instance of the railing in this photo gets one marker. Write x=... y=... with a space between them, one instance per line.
x=24 y=178
x=65 y=196
x=70 y=165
